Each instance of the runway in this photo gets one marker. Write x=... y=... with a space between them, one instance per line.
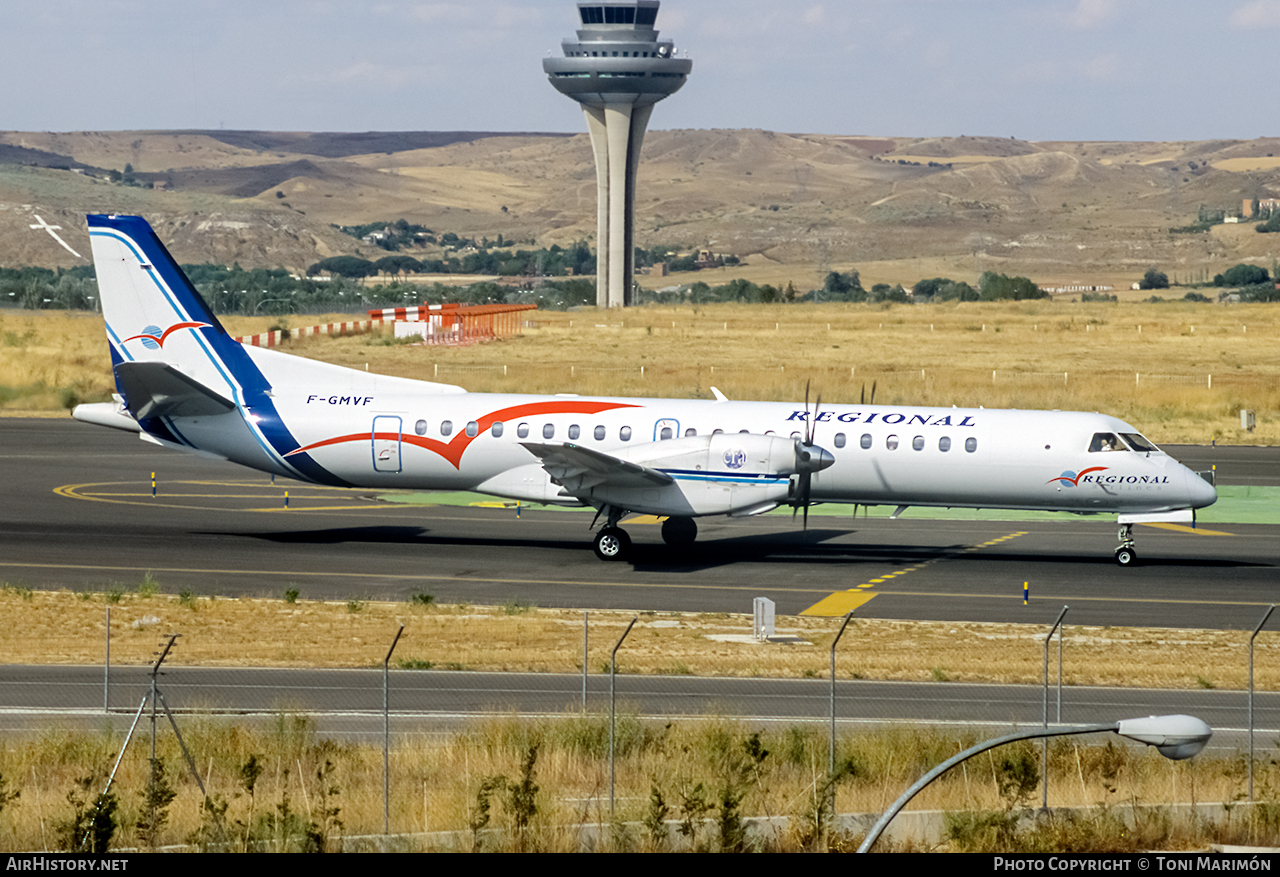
x=79 y=514
x=349 y=702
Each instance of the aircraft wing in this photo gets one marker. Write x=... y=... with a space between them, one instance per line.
x=155 y=389
x=578 y=469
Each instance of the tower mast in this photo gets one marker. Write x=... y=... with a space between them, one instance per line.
x=617 y=68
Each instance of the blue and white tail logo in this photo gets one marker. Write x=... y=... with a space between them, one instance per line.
x=153 y=337
x=154 y=315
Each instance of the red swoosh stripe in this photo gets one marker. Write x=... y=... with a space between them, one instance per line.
x=453 y=450
x=167 y=332
x=1076 y=481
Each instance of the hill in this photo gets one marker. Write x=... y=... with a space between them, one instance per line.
x=794 y=204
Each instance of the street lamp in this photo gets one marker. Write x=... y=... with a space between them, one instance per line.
x=1174 y=737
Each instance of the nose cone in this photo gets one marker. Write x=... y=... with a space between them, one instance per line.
x=1199 y=491
x=811 y=458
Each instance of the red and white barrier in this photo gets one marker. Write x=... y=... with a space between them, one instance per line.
x=272 y=339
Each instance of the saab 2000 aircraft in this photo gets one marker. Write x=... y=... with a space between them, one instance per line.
x=184 y=383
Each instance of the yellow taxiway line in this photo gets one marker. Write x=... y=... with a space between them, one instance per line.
x=844 y=602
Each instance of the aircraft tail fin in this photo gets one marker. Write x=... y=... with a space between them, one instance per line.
x=155 y=315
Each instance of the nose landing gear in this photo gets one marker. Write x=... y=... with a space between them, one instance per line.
x=1127 y=553
x=612 y=542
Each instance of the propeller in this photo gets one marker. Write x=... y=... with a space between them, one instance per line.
x=809 y=459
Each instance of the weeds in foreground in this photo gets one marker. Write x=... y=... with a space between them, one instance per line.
x=531 y=784
x=92 y=823
x=149 y=586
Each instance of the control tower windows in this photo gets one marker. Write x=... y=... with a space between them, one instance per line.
x=645 y=17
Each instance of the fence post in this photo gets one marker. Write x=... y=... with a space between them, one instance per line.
x=386 y=742
x=613 y=672
x=831 y=744
x=1044 y=745
x=1266 y=615
x=106 y=669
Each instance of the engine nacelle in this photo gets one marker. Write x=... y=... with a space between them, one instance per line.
x=713 y=475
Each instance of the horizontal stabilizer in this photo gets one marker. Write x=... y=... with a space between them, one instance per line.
x=579 y=469
x=112 y=414
x=156 y=389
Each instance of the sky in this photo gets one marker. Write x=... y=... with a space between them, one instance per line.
x=1031 y=69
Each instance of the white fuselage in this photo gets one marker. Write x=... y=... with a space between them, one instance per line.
x=371 y=431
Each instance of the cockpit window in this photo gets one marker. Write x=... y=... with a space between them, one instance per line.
x=1138 y=442
x=1106 y=441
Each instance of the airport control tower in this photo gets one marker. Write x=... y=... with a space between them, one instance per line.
x=617 y=69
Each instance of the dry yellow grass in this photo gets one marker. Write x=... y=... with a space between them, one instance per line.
x=66 y=628
x=1252 y=163
x=941 y=354
x=436 y=780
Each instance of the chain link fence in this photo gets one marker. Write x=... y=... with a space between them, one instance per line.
x=476 y=704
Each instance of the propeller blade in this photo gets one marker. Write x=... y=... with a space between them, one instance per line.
x=873 y=392
x=862 y=399
x=808 y=421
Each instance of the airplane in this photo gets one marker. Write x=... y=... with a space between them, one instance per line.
x=183 y=383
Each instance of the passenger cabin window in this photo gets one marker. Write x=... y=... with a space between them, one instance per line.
x=548 y=430
x=690 y=432
x=574 y=432
x=971 y=445
x=420 y=427
x=473 y=429
x=944 y=444
x=664 y=434
x=891 y=443
x=1139 y=443
x=1106 y=441
x=625 y=433
x=917 y=443
x=522 y=431
x=496 y=429
x=865 y=441
x=717 y=432
x=446 y=427
x=840 y=440
x=599 y=433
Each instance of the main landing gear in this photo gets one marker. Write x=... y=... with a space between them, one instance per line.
x=679 y=532
x=613 y=543
x=1127 y=553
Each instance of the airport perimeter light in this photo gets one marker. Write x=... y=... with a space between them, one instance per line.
x=617 y=69
x=1174 y=737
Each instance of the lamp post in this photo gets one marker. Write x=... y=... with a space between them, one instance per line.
x=1175 y=737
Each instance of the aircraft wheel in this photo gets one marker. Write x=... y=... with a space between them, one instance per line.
x=1126 y=556
x=612 y=543
x=679 y=532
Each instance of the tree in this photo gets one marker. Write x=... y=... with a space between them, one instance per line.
x=998 y=287
x=1154 y=279
x=842 y=287
x=344 y=266
x=1242 y=275
x=397 y=265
